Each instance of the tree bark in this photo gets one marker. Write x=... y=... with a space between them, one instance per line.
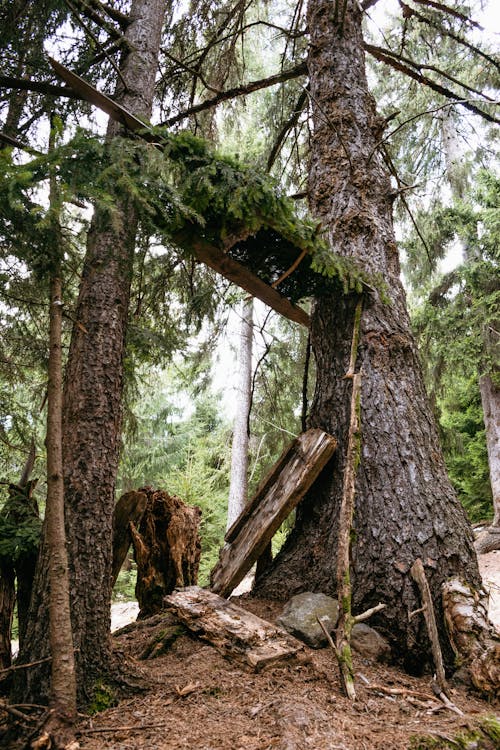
x=405 y=505
x=238 y=487
x=92 y=410
x=63 y=676
x=490 y=399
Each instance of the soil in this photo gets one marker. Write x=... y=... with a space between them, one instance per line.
x=197 y=698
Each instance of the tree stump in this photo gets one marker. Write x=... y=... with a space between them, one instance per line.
x=166 y=549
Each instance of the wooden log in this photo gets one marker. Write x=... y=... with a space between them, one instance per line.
x=231 y=629
x=279 y=493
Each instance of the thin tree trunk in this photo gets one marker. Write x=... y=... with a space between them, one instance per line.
x=490 y=399
x=63 y=677
x=238 y=487
x=405 y=505
x=93 y=389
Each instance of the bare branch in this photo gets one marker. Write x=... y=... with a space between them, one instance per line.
x=25 y=84
x=450 y=11
x=288 y=125
x=409 y=11
x=249 y=88
x=395 y=61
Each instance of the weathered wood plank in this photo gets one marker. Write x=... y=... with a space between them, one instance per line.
x=279 y=493
x=219 y=261
x=90 y=94
x=231 y=629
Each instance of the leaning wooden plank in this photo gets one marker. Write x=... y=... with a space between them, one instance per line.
x=241 y=276
x=231 y=629
x=90 y=94
x=298 y=469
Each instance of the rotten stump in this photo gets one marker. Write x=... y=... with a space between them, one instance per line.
x=166 y=548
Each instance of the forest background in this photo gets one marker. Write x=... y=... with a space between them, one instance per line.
x=175 y=434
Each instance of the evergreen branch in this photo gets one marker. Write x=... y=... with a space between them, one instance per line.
x=396 y=61
x=262 y=83
x=288 y=125
x=408 y=12
x=42 y=87
x=450 y=11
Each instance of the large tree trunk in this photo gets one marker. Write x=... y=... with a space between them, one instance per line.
x=405 y=505
x=93 y=394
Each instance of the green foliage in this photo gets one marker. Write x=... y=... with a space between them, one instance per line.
x=124 y=588
x=484 y=736
x=104 y=697
x=187 y=454
x=20 y=526
x=184 y=186
x=457 y=326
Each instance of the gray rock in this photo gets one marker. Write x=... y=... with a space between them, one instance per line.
x=367 y=642
x=300 y=613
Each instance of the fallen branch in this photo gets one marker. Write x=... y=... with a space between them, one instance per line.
x=418 y=574
x=130 y=728
x=368 y=613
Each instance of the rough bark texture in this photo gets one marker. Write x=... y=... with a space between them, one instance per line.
x=93 y=394
x=7 y=601
x=238 y=486
x=475 y=641
x=405 y=505
x=167 y=549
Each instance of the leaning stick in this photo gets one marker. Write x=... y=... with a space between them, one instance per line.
x=346 y=620
x=418 y=574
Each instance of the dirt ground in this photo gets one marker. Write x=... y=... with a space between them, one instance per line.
x=199 y=699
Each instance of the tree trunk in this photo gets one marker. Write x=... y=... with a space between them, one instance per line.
x=7 y=601
x=238 y=487
x=405 y=505
x=490 y=399
x=63 y=678
x=93 y=395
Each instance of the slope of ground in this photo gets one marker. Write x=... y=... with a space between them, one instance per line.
x=196 y=698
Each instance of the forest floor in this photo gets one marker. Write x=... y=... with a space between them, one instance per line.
x=196 y=698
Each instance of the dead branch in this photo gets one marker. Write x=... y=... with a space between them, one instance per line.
x=450 y=11
x=15 y=667
x=346 y=620
x=395 y=61
x=418 y=574
x=456 y=38
x=41 y=87
x=369 y=612
x=288 y=125
x=130 y=728
x=287 y=75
